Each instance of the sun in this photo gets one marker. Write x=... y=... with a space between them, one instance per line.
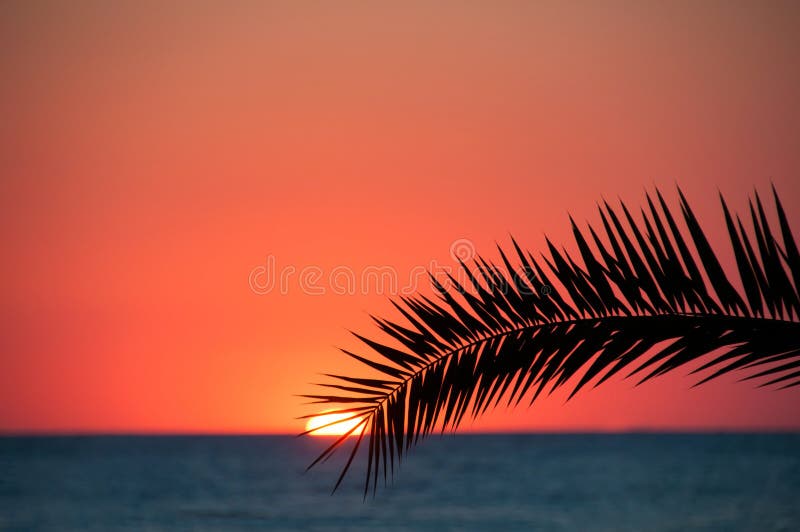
x=337 y=424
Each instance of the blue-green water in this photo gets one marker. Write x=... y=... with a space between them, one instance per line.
x=489 y=482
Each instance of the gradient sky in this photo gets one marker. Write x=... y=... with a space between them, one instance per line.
x=151 y=156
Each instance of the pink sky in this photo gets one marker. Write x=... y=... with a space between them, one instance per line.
x=151 y=157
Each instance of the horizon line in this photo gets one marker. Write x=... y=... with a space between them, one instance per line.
x=511 y=432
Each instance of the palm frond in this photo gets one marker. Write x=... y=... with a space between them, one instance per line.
x=646 y=300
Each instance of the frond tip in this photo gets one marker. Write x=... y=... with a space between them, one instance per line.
x=646 y=300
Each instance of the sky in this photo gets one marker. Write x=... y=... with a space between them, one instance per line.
x=158 y=159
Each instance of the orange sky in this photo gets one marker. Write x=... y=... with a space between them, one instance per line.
x=151 y=157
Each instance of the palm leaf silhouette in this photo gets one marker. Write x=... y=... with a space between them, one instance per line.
x=645 y=301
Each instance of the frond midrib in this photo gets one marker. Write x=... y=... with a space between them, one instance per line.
x=443 y=356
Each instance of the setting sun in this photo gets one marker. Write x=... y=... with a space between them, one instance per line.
x=333 y=424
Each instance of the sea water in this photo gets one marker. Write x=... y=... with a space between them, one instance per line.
x=638 y=482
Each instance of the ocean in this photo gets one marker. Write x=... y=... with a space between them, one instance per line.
x=638 y=482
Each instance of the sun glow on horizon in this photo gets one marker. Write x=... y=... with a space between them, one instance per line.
x=337 y=424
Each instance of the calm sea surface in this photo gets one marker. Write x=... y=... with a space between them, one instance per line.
x=490 y=482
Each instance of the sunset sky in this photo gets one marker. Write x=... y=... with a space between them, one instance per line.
x=153 y=157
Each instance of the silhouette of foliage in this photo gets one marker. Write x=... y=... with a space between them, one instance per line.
x=646 y=300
